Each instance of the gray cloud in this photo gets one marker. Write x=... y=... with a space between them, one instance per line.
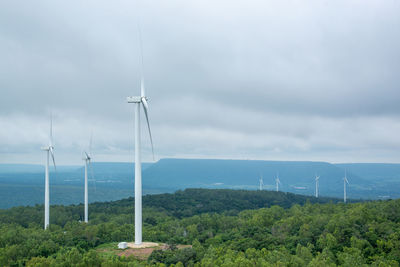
x=242 y=79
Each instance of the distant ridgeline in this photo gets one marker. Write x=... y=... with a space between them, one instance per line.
x=24 y=184
x=368 y=181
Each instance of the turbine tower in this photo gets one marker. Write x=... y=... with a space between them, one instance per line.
x=261 y=183
x=345 y=181
x=316 y=185
x=49 y=151
x=87 y=158
x=139 y=101
x=278 y=182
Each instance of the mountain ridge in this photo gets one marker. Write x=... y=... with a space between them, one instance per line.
x=115 y=180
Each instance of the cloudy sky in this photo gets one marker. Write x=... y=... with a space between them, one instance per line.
x=252 y=79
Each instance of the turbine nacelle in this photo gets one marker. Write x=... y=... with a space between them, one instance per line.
x=87 y=157
x=46 y=148
x=51 y=150
x=143 y=100
x=136 y=99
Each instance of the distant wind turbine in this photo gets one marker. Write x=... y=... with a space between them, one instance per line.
x=316 y=185
x=345 y=181
x=278 y=182
x=87 y=158
x=139 y=101
x=49 y=151
x=261 y=183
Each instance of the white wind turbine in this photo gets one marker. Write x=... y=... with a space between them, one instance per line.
x=316 y=185
x=261 y=183
x=87 y=158
x=345 y=181
x=49 y=151
x=139 y=101
x=277 y=182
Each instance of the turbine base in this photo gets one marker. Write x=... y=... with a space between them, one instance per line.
x=143 y=245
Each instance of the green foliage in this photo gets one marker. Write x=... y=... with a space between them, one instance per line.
x=185 y=256
x=359 y=234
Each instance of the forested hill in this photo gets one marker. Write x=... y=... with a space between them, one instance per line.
x=180 y=204
x=330 y=234
x=190 y=202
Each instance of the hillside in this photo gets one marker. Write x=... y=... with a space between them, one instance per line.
x=191 y=202
x=180 y=204
x=329 y=234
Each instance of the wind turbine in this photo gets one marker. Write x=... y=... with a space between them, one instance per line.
x=49 y=151
x=278 y=182
x=316 y=185
x=345 y=181
x=139 y=101
x=87 y=158
x=261 y=183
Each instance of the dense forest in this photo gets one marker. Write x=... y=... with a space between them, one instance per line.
x=223 y=227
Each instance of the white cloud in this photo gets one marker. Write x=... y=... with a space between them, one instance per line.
x=244 y=79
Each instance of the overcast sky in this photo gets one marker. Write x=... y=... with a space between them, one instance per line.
x=252 y=79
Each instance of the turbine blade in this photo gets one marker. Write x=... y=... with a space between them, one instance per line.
x=92 y=175
x=51 y=130
x=52 y=157
x=145 y=108
x=142 y=90
x=90 y=144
